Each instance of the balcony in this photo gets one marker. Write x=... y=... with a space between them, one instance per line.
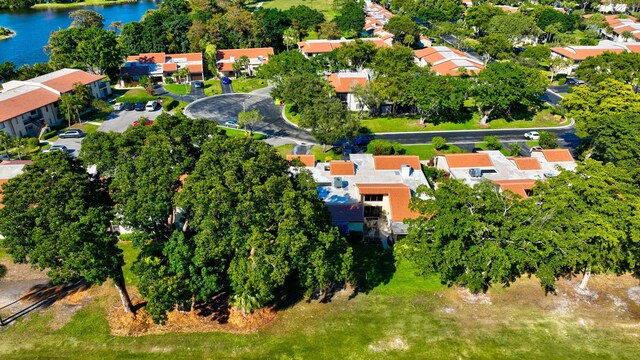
x=34 y=119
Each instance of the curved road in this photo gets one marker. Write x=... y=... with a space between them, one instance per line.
x=226 y=107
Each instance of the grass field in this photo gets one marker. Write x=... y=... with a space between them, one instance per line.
x=180 y=89
x=212 y=87
x=427 y=151
x=242 y=133
x=324 y=6
x=412 y=123
x=284 y=150
x=242 y=85
x=80 y=4
x=400 y=316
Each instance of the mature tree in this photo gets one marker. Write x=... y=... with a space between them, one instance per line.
x=393 y=68
x=587 y=223
x=7 y=71
x=549 y=16
x=290 y=37
x=303 y=90
x=557 y=64
x=249 y=119
x=305 y=17
x=274 y=23
x=241 y=65
x=26 y=71
x=16 y=4
x=548 y=140
x=401 y=27
x=475 y=237
x=75 y=101
x=146 y=83
x=366 y=98
x=329 y=30
x=56 y=218
x=351 y=17
x=329 y=121
x=357 y=54
x=623 y=67
x=285 y=64
x=540 y=53
x=86 y=19
x=479 y=16
x=438 y=98
x=130 y=39
x=5 y=143
x=502 y=88
x=440 y=10
x=515 y=26
x=495 y=46
x=616 y=140
x=589 y=104
x=100 y=53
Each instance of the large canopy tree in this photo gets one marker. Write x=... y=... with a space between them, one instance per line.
x=57 y=217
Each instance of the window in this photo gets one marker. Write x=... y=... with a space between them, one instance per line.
x=33 y=112
x=373 y=211
x=373 y=198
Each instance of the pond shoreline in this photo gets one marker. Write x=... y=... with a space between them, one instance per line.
x=44 y=6
x=9 y=36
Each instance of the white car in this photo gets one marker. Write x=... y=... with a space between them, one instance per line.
x=55 y=148
x=231 y=123
x=532 y=135
x=118 y=106
x=152 y=106
x=535 y=148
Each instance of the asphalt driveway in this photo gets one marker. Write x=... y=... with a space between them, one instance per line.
x=121 y=120
x=226 y=107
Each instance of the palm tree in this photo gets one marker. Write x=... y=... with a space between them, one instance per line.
x=5 y=141
x=626 y=35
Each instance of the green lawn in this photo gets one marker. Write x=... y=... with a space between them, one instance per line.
x=133 y=95
x=130 y=253
x=292 y=116
x=242 y=85
x=180 y=89
x=242 y=133
x=212 y=87
x=483 y=146
x=284 y=150
x=324 y=6
x=331 y=154
x=427 y=151
x=412 y=123
x=80 y=4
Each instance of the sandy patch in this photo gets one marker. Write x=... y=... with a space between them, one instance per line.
x=397 y=344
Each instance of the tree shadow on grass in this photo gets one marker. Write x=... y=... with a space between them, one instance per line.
x=372 y=266
x=3 y=271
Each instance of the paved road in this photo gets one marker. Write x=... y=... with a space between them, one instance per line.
x=121 y=120
x=226 y=107
x=227 y=88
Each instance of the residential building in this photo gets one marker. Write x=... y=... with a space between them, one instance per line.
x=10 y=169
x=368 y=194
x=617 y=25
x=610 y=6
x=581 y=53
x=311 y=48
x=515 y=174
x=160 y=66
x=28 y=106
x=344 y=83
x=447 y=61
x=257 y=57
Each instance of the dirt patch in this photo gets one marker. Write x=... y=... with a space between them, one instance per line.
x=471 y=298
x=397 y=344
x=201 y=320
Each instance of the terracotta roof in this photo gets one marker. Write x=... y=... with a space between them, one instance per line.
x=579 y=53
x=170 y=67
x=342 y=168
x=307 y=160
x=325 y=46
x=399 y=198
x=519 y=187
x=468 y=160
x=557 y=155
x=66 y=82
x=26 y=102
x=254 y=53
x=185 y=56
x=148 y=58
x=454 y=69
x=634 y=48
x=394 y=162
x=449 y=61
x=527 y=163
x=195 y=68
x=344 y=83
x=16 y=162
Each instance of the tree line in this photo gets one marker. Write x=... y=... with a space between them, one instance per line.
x=211 y=213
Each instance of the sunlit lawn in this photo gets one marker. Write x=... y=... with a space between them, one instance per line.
x=242 y=85
x=180 y=89
x=324 y=6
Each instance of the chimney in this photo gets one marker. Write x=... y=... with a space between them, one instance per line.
x=405 y=170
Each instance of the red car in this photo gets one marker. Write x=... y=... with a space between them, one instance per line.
x=136 y=123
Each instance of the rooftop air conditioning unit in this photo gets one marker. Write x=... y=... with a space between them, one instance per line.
x=337 y=182
x=475 y=172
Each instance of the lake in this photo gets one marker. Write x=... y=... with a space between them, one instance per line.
x=34 y=26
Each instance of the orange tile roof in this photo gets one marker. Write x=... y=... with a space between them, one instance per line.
x=345 y=84
x=24 y=103
x=518 y=187
x=634 y=48
x=527 y=163
x=453 y=69
x=581 y=53
x=170 y=67
x=148 y=58
x=342 y=168
x=318 y=47
x=557 y=155
x=399 y=198
x=16 y=162
x=307 y=160
x=195 y=68
x=468 y=160
x=394 y=162
x=66 y=82
x=253 y=53
x=186 y=56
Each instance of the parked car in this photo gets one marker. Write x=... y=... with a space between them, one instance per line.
x=226 y=80
x=231 y=123
x=532 y=135
x=574 y=81
x=71 y=134
x=535 y=148
x=147 y=123
x=55 y=148
x=118 y=106
x=128 y=107
x=198 y=84
x=140 y=106
x=152 y=105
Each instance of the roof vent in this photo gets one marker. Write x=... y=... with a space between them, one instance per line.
x=405 y=170
x=337 y=182
x=475 y=172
